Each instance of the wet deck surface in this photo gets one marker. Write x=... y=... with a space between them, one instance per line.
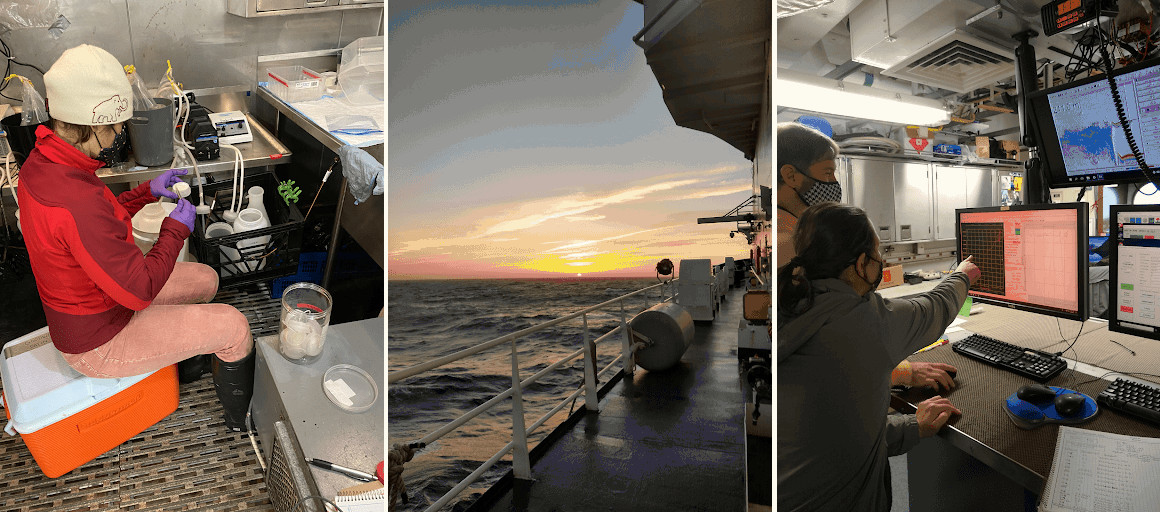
x=662 y=441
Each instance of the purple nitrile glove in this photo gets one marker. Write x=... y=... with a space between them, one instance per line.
x=159 y=186
x=185 y=213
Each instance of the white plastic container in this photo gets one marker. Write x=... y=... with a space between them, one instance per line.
x=147 y=227
x=294 y=83
x=250 y=219
x=362 y=71
x=228 y=254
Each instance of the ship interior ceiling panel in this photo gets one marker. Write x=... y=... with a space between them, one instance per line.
x=960 y=52
x=705 y=84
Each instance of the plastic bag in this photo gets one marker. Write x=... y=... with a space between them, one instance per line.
x=142 y=99
x=33 y=112
x=27 y=14
x=350 y=124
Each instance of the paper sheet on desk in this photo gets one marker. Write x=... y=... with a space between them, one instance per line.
x=318 y=110
x=1098 y=471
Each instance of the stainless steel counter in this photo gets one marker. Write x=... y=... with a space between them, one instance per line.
x=284 y=390
x=265 y=150
x=365 y=225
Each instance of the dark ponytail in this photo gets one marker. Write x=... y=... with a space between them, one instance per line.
x=828 y=238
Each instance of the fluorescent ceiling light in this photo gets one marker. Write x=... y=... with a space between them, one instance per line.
x=800 y=90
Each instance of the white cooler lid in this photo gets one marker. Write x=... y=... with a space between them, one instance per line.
x=40 y=388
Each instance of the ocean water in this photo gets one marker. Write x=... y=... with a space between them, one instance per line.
x=430 y=319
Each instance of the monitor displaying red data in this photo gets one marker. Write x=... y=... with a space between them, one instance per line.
x=1031 y=257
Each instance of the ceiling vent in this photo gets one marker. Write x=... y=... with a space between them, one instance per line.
x=958 y=61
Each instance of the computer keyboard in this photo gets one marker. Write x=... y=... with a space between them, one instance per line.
x=1133 y=398
x=1026 y=362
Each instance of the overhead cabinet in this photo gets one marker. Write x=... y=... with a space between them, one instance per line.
x=258 y=8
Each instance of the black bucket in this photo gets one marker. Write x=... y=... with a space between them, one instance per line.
x=151 y=134
x=21 y=138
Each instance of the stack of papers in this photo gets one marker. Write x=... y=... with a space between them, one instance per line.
x=1096 y=471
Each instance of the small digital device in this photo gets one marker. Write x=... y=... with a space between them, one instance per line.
x=1079 y=134
x=1032 y=258
x=1061 y=15
x=231 y=127
x=1134 y=242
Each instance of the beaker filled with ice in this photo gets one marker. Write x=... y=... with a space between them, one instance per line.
x=305 y=319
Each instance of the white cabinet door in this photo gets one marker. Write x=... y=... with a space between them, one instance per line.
x=912 y=202
x=950 y=193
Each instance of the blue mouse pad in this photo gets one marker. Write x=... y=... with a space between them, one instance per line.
x=1027 y=415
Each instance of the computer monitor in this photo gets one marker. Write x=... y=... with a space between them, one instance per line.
x=1033 y=258
x=1135 y=270
x=1079 y=135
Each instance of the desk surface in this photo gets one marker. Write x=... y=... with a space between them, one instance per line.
x=985 y=431
x=324 y=431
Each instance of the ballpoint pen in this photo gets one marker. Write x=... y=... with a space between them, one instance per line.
x=353 y=473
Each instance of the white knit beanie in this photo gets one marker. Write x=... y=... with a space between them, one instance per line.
x=87 y=86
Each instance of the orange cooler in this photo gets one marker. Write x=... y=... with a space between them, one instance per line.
x=67 y=419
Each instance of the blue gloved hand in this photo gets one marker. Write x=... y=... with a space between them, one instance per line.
x=159 y=186
x=185 y=213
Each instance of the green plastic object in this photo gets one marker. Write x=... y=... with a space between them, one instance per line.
x=288 y=191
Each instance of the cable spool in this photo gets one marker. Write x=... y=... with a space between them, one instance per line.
x=666 y=330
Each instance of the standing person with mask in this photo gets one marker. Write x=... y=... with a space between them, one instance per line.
x=111 y=311
x=807 y=166
x=832 y=443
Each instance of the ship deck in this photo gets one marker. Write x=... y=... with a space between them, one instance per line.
x=662 y=441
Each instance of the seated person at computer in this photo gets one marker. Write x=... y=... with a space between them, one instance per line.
x=806 y=163
x=836 y=344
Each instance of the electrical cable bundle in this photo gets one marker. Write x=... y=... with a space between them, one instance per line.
x=1121 y=114
x=9 y=60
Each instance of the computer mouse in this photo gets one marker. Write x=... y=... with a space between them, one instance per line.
x=952 y=373
x=1035 y=393
x=1069 y=404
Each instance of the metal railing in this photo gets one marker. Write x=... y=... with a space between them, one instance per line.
x=521 y=465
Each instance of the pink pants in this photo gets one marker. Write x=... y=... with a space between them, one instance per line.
x=173 y=328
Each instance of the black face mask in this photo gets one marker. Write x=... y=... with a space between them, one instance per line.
x=881 y=268
x=118 y=150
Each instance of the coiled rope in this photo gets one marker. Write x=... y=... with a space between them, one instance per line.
x=399 y=455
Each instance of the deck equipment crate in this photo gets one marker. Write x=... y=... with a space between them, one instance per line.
x=244 y=264
x=67 y=419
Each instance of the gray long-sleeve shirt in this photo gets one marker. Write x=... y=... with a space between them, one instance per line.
x=833 y=387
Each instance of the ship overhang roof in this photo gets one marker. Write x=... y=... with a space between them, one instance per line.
x=712 y=62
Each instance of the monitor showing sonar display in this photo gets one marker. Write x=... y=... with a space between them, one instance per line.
x=1031 y=257
x=984 y=241
x=1081 y=136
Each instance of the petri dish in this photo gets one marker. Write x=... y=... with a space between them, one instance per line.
x=350 y=388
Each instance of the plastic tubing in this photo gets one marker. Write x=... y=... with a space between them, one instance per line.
x=179 y=142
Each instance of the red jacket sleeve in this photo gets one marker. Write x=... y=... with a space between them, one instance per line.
x=115 y=264
x=134 y=200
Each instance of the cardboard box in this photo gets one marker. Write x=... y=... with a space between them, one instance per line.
x=891 y=276
x=983 y=147
x=67 y=419
x=1011 y=148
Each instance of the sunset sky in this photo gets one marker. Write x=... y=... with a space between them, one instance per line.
x=528 y=140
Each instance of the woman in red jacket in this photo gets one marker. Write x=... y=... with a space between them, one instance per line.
x=111 y=311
